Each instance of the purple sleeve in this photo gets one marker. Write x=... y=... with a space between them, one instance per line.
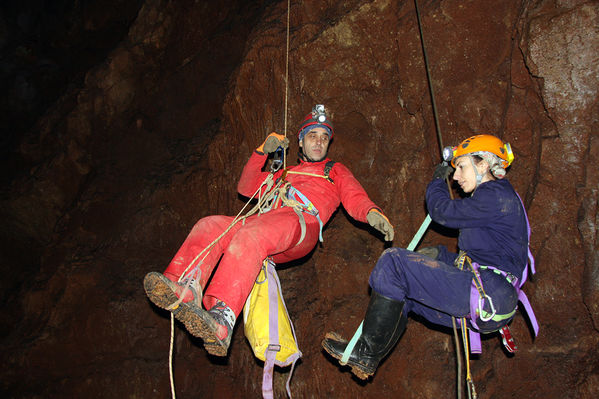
x=474 y=211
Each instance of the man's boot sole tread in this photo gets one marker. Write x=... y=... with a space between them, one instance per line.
x=163 y=296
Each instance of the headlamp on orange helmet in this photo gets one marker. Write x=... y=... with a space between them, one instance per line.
x=498 y=154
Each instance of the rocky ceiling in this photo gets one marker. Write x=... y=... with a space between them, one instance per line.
x=125 y=122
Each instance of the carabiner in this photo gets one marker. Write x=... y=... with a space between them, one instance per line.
x=277 y=161
x=481 y=301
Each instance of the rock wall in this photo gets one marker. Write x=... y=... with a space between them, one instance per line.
x=117 y=171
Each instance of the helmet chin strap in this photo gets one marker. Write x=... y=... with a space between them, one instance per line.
x=479 y=177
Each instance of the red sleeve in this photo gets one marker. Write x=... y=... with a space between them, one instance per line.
x=252 y=175
x=353 y=196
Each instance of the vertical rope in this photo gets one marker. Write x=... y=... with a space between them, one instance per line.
x=432 y=91
x=286 y=79
x=440 y=140
x=170 y=357
x=428 y=77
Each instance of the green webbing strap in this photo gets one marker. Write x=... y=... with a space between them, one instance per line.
x=414 y=243
x=350 y=346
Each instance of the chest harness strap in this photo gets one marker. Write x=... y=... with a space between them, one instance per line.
x=287 y=195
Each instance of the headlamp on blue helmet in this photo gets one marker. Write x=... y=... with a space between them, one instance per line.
x=317 y=118
x=319 y=113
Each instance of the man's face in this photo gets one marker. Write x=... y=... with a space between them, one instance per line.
x=315 y=144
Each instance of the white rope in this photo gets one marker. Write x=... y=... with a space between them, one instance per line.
x=286 y=80
x=270 y=193
x=170 y=356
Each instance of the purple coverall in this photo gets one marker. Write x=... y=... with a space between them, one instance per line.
x=492 y=230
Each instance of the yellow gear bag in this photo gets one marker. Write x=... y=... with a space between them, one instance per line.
x=268 y=327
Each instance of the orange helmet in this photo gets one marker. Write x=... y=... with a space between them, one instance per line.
x=484 y=143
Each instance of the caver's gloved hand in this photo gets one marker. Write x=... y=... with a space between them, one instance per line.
x=380 y=222
x=442 y=171
x=272 y=142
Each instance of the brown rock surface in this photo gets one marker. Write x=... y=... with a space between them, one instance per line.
x=117 y=171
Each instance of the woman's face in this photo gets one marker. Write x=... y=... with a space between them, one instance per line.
x=464 y=173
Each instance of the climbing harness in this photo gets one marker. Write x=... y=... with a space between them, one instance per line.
x=477 y=299
x=291 y=197
x=301 y=204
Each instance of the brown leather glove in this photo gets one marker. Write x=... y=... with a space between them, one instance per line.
x=380 y=222
x=272 y=142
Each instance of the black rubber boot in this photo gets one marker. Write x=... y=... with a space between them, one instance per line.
x=383 y=324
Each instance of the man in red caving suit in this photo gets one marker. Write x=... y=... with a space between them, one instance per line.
x=285 y=233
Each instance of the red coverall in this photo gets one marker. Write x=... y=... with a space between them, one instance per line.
x=274 y=233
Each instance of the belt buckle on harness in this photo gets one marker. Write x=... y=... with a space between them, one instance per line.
x=511 y=278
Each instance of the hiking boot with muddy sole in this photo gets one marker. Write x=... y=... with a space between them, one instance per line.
x=202 y=324
x=161 y=291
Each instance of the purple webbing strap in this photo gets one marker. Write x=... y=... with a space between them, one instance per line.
x=474 y=337
x=521 y=295
x=531 y=315
x=267 y=375
x=475 y=343
x=530 y=257
x=274 y=288
x=276 y=280
x=293 y=358
x=273 y=334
